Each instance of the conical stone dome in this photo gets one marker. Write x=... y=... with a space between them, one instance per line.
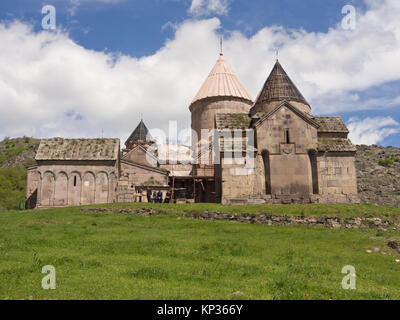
x=139 y=136
x=220 y=93
x=222 y=82
x=277 y=88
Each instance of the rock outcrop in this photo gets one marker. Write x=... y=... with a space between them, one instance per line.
x=378 y=175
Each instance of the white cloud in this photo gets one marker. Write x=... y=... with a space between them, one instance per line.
x=51 y=86
x=209 y=7
x=74 y=7
x=372 y=130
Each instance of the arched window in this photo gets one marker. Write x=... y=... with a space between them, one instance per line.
x=287 y=136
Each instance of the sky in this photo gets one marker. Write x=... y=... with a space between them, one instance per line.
x=109 y=63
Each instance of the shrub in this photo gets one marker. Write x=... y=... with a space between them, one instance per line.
x=385 y=162
x=12 y=187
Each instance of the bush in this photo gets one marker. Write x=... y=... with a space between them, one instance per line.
x=12 y=187
x=385 y=162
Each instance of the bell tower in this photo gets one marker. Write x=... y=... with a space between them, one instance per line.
x=221 y=92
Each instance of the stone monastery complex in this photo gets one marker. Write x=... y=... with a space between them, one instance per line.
x=271 y=150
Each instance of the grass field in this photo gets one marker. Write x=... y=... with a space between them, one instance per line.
x=116 y=256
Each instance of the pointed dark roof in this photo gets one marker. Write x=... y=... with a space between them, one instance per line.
x=139 y=134
x=279 y=87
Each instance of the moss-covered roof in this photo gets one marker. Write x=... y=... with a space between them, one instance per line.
x=335 y=144
x=232 y=121
x=78 y=149
x=331 y=124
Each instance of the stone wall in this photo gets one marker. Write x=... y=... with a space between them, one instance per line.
x=337 y=174
x=238 y=183
x=203 y=111
x=70 y=183
x=290 y=174
x=284 y=141
x=271 y=133
x=335 y=222
x=140 y=155
x=32 y=181
x=140 y=175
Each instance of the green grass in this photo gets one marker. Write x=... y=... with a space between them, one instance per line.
x=116 y=256
x=12 y=187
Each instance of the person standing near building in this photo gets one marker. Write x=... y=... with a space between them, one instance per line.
x=159 y=196
x=154 y=196
x=148 y=195
x=167 y=197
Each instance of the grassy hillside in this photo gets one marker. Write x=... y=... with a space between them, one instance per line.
x=110 y=256
x=15 y=156
x=18 y=152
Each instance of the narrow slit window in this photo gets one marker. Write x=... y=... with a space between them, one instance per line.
x=287 y=136
x=74 y=181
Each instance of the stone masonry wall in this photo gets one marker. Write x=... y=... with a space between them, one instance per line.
x=337 y=174
x=63 y=183
x=203 y=111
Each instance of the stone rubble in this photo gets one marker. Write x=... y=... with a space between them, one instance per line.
x=333 y=222
x=378 y=184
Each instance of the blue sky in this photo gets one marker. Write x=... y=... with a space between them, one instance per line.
x=335 y=69
x=140 y=27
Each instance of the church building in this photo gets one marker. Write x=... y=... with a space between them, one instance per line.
x=271 y=150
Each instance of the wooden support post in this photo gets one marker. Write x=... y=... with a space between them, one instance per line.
x=194 y=183
x=173 y=190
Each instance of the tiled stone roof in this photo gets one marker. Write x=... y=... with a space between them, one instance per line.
x=331 y=124
x=222 y=82
x=78 y=149
x=335 y=144
x=232 y=121
x=279 y=87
